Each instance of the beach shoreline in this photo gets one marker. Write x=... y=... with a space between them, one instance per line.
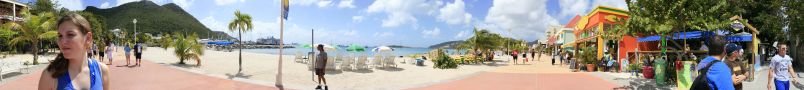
x=260 y=68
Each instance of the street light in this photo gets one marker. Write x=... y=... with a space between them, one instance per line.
x=135 y=30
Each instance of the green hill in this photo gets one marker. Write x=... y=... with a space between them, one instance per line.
x=448 y=44
x=152 y=18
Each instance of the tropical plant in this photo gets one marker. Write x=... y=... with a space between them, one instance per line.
x=443 y=61
x=588 y=55
x=166 y=41
x=187 y=47
x=35 y=29
x=241 y=23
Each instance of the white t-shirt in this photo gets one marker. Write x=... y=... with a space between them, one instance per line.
x=780 y=66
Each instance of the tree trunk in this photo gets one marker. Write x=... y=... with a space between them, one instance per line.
x=181 y=60
x=240 y=51
x=35 y=51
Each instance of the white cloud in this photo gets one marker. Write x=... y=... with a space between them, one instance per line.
x=357 y=19
x=213 y=24
x=346 y=4
x=70 y=4
x=521 y=19
x=401 y=12
x=461 y=35
x=300 y=2
x=573 y=7
x=455 y=13
x=350 y=33
x=431 y=33
x=324 y=3
x=227 y=2
x=383 y=34
x=121 y=2
x=582 y=7
x=105 y=5
x=611 y=3
x=184 y=3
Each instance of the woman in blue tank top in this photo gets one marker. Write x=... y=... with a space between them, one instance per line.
x=72 y=69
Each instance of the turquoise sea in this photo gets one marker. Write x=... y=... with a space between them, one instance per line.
x=292 y=51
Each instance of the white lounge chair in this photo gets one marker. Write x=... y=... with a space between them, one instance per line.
x=330 y=63
x=346 y=62
x=310 y=61
x=377 y=61
x=298 y=57
x=389 y=61
x=361 y=62
x=338 y=57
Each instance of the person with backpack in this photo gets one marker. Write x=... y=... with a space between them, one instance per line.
x=714 y=73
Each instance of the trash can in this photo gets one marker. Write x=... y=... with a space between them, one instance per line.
x=660 y=65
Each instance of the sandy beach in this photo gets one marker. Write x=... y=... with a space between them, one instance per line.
x=261 y=69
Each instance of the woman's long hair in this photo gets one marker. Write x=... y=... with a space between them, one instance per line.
x=59 y=65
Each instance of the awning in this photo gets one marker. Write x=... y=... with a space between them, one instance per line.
x=678 y=36
x=649 y=38
x=590 y=38
x=698 y=34
x=221 y=43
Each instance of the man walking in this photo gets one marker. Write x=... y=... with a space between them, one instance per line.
x=781 y=71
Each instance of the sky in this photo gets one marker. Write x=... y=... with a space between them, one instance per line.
x=417 y=23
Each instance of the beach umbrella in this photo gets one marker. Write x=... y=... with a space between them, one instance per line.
x=355 y=48
x=327 y=47
x=383 y=49
x=306 y=46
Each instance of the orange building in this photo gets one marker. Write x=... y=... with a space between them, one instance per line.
x=600 y=19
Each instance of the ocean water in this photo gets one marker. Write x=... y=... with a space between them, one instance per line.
x=292 y=51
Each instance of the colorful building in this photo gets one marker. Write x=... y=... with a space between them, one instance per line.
x=603 y=18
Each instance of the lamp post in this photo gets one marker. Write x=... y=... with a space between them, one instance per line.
x=135 y=30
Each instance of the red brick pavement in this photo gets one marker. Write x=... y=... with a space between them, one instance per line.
x=150 y=76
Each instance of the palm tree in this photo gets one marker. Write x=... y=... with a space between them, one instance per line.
x=165 y=41
x=187 y=47
x=35 y=29
x=482 y=42
x=241 y=23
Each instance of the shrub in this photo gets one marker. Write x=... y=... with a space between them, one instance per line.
x=443 y=61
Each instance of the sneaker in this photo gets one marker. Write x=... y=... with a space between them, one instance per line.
x=326 y=87
x=318 y=87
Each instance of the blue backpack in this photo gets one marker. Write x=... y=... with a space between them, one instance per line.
x=700 y=82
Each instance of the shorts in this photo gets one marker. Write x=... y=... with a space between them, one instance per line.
x=101 y=54
x=319 y=71
x=138 y=55
x=782 y=85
